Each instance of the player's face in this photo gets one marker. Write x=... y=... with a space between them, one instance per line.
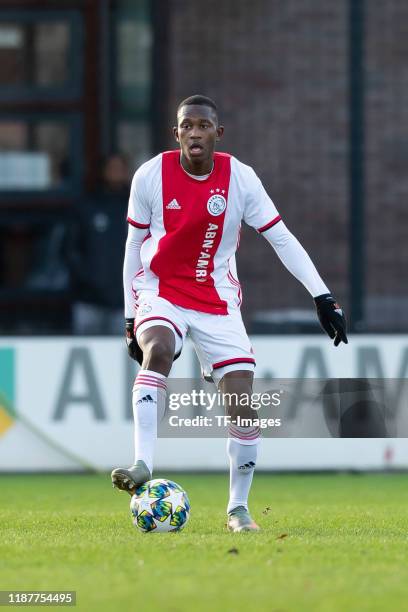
x=197 y=131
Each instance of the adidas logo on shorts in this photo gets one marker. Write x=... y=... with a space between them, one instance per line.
x=173 y=205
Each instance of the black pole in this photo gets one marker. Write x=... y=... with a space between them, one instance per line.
x=356 y=164
x=160 y=113
x=106 y=81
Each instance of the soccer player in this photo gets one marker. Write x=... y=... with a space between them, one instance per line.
x=185 y=212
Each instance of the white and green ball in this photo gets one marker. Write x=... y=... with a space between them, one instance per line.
x=160 y=505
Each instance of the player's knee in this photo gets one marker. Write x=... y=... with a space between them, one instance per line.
x=158 y=353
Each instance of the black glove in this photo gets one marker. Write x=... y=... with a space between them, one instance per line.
x=331 y=318
x=134 y=350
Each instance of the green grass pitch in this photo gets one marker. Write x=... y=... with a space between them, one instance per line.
x=328 y=543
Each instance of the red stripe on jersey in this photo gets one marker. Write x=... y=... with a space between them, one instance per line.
x=184 y=260
x=160 y=319
x=136 y=224
x=270 y=224
x=234 y=282
x=221 y=364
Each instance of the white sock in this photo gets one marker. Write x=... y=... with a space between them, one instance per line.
x=242 y=450
x=149 y=402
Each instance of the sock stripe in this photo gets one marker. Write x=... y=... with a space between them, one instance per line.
x=250 y=434
x=150 y=386
x=145 y=380
x=237 y=437
x=243 y=430
x=150 y=379
x=140 y=384
x=141 y=373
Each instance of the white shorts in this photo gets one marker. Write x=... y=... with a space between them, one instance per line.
x=221 y=342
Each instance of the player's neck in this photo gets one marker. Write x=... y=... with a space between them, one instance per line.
x=199 y=168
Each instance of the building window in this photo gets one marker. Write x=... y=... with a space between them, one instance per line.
x=36 y=153
x=38 y=55
x=41 y=88
x=132 y=75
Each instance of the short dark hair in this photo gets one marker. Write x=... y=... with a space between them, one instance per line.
x=199 y=100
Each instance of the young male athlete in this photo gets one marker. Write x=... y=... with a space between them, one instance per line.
x=185 y=212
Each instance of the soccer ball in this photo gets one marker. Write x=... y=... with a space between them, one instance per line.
x=160 y=505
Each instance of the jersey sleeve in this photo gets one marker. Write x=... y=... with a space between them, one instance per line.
x=139 y=209
x=131 y=266
x=295 y=258
x=260 y=212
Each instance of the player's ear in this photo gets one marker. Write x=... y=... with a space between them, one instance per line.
x=175 y=133
x=220 y=132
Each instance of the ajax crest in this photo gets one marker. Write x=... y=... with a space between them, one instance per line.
x=216 y=205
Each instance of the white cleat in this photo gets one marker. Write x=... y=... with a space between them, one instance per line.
x=239 y=520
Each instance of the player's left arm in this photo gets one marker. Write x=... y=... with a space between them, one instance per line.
x=261 y=213
x=297 y=261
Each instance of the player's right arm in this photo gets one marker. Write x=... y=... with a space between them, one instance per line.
x=138 y=218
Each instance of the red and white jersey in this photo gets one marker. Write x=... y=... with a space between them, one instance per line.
x=188 y=256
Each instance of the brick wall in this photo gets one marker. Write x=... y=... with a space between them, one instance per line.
x=278 y=71
x=386 y=166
